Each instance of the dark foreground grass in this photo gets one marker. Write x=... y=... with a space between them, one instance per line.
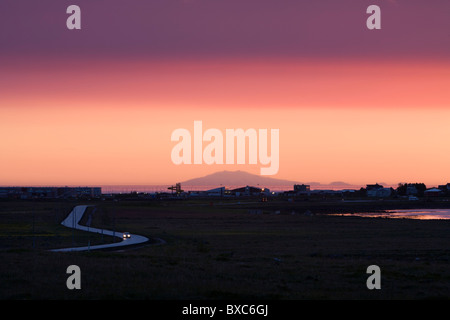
x=223 y=252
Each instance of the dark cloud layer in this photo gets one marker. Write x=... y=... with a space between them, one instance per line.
x=226 y=28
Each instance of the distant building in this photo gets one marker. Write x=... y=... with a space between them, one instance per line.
x=326 y=192
x=217 y=192
x=377 y=190
x=433 y=192
x=50 y=192
x=79 y=192
x=372 y=189
x=246 y=191
x=302 y=189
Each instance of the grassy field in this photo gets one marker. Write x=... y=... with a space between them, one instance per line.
x=223 y=251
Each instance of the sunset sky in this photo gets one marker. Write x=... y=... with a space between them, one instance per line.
x=97 y=106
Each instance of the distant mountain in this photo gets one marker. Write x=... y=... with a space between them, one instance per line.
x=339 y=183
x=237 y=178
x=242 y=178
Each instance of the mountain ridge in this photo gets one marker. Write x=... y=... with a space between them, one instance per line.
x=235 y=178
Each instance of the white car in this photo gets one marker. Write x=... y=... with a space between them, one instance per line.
x=126 y=235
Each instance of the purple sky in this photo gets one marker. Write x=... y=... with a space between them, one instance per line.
x=226 y=28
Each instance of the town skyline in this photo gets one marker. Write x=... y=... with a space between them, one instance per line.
x=234 y=179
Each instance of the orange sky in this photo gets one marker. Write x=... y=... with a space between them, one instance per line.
x=101 y=122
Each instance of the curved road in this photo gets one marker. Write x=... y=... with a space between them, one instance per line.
x=72 y=221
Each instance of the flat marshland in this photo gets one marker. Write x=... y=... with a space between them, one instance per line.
x=223 y=250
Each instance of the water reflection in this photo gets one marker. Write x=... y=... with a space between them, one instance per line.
x=421 y=214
